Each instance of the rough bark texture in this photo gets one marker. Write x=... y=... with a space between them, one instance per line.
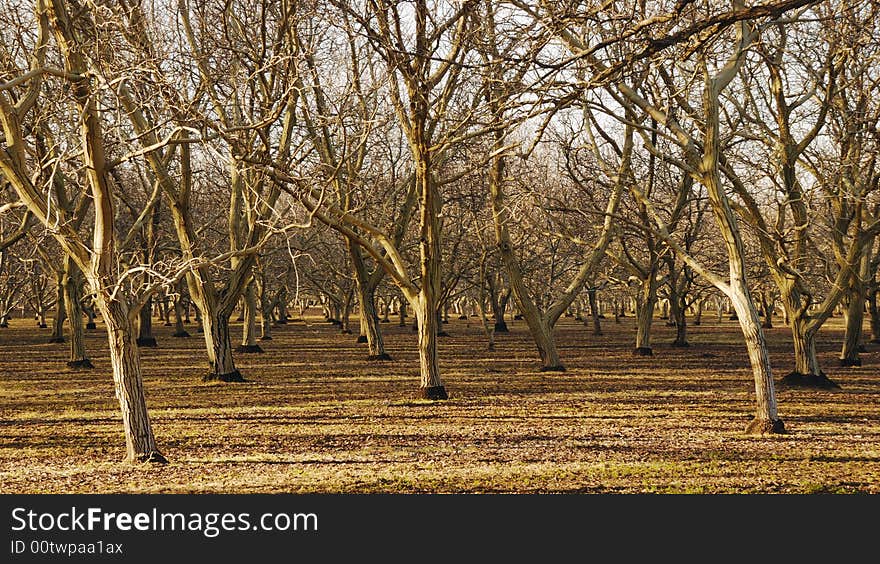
x=807 y=371
x=218 y=342
x=645 y=315
x=140 y=444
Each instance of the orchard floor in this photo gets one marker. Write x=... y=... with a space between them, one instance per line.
x=316 y=416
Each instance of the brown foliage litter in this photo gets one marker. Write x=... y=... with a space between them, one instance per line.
x=316 y=416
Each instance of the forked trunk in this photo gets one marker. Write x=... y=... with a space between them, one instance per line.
x=807 y=370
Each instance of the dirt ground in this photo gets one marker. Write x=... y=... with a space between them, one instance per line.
x=316 y=416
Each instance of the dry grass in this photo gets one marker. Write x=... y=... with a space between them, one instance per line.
x=316 y=416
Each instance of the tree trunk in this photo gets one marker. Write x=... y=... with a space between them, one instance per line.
x=767 y=306
x=165 y=310
x=807 y=371
x=594 y=311
x=57 y=335
x=249 y=328
x=698 y=314
x=401 y=313
x=345 y=312
x=90 y=316
x=281 y=306
x=265 y=314
x=72 y=296
x=645 y=316
x=369 y=326
x=219 y=346
x=386 y=310
x=140 y=444
x=179 y=329
x=766 y=419
x=804 y=343
x=145 y=325
x=499 y=304
x=854 y=319
x=426 y=315
x=678 y=310
x=874 y=315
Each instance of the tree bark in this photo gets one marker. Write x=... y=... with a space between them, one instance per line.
x=853 y=319
x=179 y=314
x=370 y=325
x=266 y=307
x=140 y=444
x=60 y=310
x=249 y=327
x=427 y=302
x=807 y=371
x=645 y=315
x=145 y=325
x=218 y=341
x=594 y=311
x=72 y=296
x=874 y=314
x=678 y=310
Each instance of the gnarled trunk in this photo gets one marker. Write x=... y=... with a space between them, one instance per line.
x=807 y=371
